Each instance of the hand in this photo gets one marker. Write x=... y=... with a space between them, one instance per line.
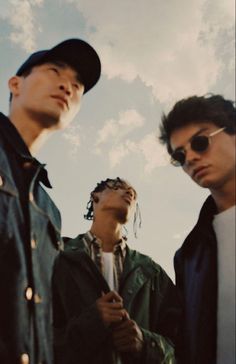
x=127 y=336
x=110 y=307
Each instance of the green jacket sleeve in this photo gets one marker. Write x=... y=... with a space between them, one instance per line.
x=165 y=313
x=157 y=349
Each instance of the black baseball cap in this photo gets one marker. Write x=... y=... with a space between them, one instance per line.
x=76 y=53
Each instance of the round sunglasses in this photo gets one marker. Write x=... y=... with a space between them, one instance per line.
x=198 y=143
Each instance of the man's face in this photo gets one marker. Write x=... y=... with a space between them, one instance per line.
x=119 y=199
x=50 y=94
x=213 y=168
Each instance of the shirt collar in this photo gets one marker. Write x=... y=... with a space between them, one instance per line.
x=14 y=139
x=91 y=239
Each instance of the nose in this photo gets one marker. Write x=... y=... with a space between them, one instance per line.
x=65 y=86
x=130 y=192
x=191 y=157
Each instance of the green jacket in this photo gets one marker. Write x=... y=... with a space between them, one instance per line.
x=148 y=295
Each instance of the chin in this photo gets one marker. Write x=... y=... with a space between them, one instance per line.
x=122 y=216
x=47 y=120
x=206 y=183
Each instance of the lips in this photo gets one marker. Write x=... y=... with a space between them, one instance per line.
x=61 y=98
x=128 y=200
x=199 y=171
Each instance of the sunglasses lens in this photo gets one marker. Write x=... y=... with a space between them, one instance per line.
x=178 y=158
x=200 y=143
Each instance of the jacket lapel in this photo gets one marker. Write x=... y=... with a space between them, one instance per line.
x=138 y=269
x=77 y=253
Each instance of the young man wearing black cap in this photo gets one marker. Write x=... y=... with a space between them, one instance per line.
x=112 y=305
x=200 y=135
x=45 y=95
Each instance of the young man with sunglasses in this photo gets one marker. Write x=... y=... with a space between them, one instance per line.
x=200 y=137
x=46 y=93
x=112 y=304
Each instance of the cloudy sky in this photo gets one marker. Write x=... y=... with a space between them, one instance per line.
x=153 y=53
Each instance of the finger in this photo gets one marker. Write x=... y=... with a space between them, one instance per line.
x=124 y=326
x=121 y=334
x=126 y=316
x=111 y=319
x=114 y=312
x=123 y=344
x=116 y=297
x=110 y=306
x=111 y=296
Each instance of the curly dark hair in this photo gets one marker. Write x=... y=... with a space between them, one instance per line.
x=198 y=109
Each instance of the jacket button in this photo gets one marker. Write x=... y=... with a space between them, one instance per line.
x=31 y=197
x=1 y=181
x=33 y=243
x=59 y=244
x=153 y=344
x=28 y=293
x=27 y=165
x=24 y=359
x=130 y=291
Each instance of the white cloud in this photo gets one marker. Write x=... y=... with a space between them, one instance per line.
x=128 y=121
x=112 y=142
x=120 y=151
x=159 y=41
x=154 y=153
x=21 y=17
x=73 y=137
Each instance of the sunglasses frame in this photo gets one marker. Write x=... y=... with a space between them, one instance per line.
x=182 y=151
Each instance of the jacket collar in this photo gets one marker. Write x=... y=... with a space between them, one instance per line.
x=76 y=249
x=15 y=141
x=208 y=211
x=202 y=234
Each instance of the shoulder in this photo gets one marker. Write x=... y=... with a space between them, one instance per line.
x=73 y=253
x=73 y=247
x=147 y=263
x=73 y=244
x=202 y=229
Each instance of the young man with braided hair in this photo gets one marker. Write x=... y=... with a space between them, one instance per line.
x=200 y=137
x=111 y=304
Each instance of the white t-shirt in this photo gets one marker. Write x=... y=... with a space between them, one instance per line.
x=224 y=226
x=108 y=266
x=108 y=272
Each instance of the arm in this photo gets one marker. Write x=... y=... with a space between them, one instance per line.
x=146 y=346
x=80 y=331
x=152 y=343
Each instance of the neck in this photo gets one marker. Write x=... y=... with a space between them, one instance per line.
x=31 y=132
x=225 y=198
x=107 y=230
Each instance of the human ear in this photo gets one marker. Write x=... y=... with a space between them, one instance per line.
x=14 y=85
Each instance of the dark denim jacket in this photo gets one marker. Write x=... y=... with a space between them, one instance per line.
x=28 y=246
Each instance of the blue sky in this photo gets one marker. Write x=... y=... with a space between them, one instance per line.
x=153 y=53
